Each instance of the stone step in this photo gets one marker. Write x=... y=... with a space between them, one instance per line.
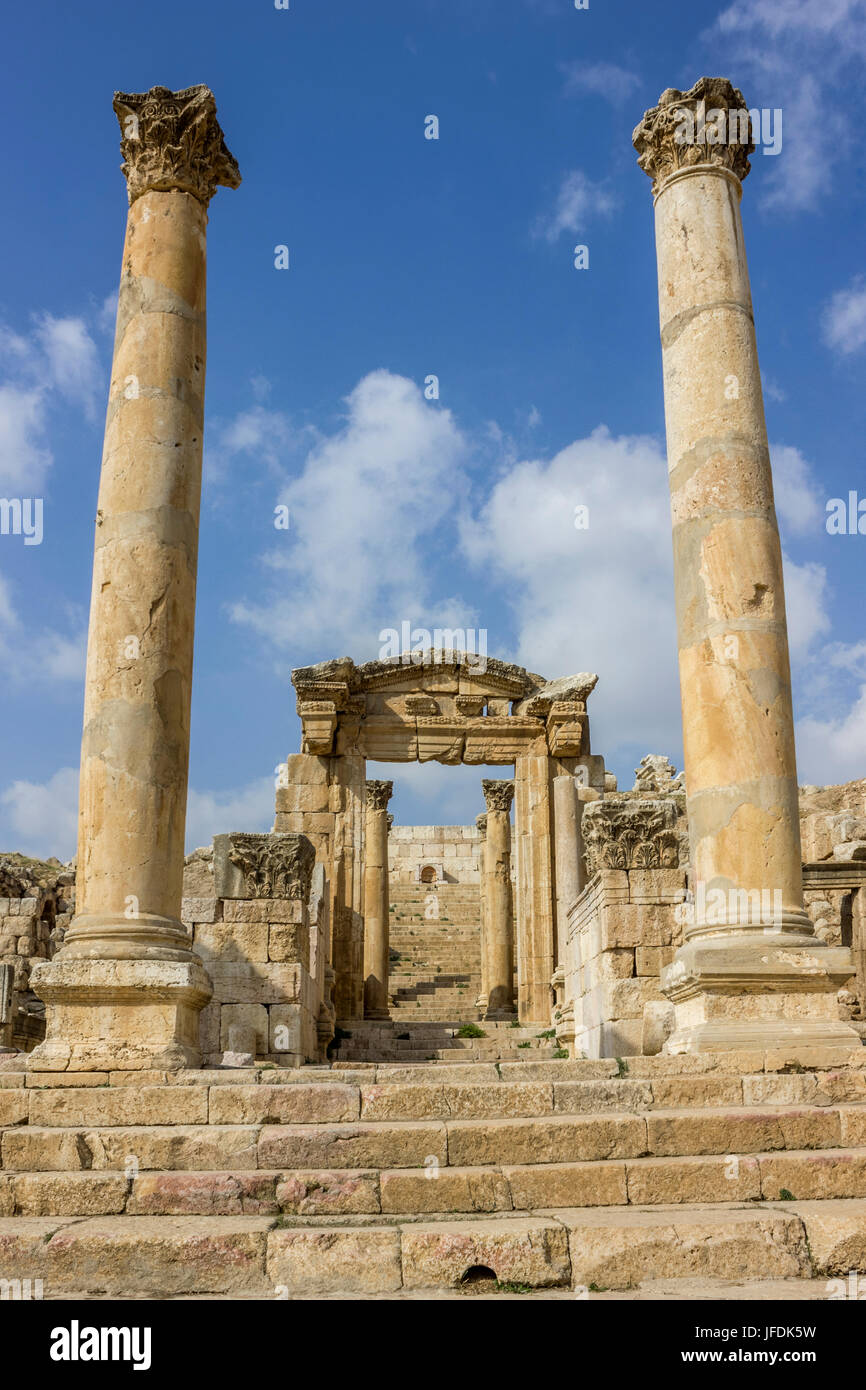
x=279 y=1131
x=808 y=1175
x=570 y=1248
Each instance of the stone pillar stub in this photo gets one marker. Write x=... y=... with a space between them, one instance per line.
x=125 y=988
x=751 y=972
x=481 y=827
x=377 y=901
x=499 y=909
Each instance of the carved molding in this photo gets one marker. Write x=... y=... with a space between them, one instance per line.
x=273 y=866
x=498 y=795
x=173 y=140
x=633 y=835
x=695 y=127
x=481 y=824
x=378 y=795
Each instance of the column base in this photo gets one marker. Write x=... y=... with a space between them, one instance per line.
x=757 y=990
x=377 y=1015
x=119 y=1015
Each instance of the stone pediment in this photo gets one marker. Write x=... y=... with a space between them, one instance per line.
x=439 y=705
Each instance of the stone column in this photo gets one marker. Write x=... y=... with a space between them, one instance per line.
x=481 y=826
x=499 y=910
x=535 y=887
x=377 y=901
x=751 y=971
x=125 y=990
x=568 y=857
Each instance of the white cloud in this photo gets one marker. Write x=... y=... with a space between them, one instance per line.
x=608 y=80
x=796 y=55
x=805 y=604
x=578 y=201
x=599 y=599
x=60 y=359
x=72 y=360
x=799 y=504
x=32 y=655
x=833 y=749
x=41 y=819
x=24 y=459
x=843 y=322
x=366 y=498
x=250 y=807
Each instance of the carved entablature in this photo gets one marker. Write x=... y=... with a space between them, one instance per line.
x=708 y=125
x=633 y=835
x=173 y=140
x=498 y=795
x=263 y=866
x=440 y=706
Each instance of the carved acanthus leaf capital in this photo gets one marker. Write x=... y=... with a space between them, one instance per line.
x=173 y=140
x=378 y=795
x=498 y=795
x=633 y=835
x=481 y=824
x=709 y=124
x=273 y=866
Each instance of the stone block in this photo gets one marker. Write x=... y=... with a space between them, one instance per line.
x=250 y=1016
x=231 y=942
x=359 y=1260
x=520 y=1250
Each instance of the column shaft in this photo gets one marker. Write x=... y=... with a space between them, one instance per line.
x=377 y=901
x=751 y=962
x=125 y=989
x=499 y=910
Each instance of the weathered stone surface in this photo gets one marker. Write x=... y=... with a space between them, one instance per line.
x=556 y=1139
x=69 y=1194
x=406 y=1145
x=438 y=1189
x=732 y=1178
x=520 y=1250
x=282 y=1105
x=204 y=1194
x=329 y=1193
x=619 y=1252
x=311 y=1262
x=567 y=1185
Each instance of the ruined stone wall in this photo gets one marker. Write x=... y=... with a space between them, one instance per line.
x=263 y=941
x=453 y=850
x=37 y=900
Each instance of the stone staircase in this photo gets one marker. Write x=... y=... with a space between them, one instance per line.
x=398 y=1041
x=436 y=1180
x=435 y=962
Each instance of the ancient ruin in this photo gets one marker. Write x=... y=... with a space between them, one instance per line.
x=353 y=1056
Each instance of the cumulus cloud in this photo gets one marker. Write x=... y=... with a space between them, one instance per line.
x=599 y=598
x=250 y=807
x=799 y=504
x=843 y=322
x=833 y=749
x=365 y=500
x=577 y=203
x=796 y=55
x=41 y=818
x=57 y=359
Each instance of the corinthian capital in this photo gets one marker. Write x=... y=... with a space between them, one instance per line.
x=497 y=795
x=173 y=140
x=378 y=795
x=708 y=125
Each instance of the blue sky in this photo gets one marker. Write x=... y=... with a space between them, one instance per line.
x=411 y=257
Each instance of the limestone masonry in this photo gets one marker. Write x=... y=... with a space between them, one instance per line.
x=598 y=1037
